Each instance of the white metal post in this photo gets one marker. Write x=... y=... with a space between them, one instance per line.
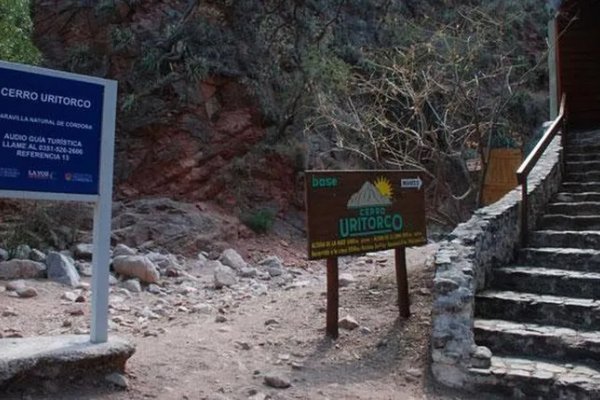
x=102 y=220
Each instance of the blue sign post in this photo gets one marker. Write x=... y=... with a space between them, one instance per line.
x=57 y=143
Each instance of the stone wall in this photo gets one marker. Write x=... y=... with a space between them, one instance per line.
x=463 y=264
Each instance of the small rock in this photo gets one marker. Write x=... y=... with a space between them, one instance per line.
x=346 y=279
x=271 y=321
x=22 y=252
x=67 y=323
x=119 y=380
x=137 y=267
x=273 y=266
x=248 y=272
x=84 y=268
x=277 y=381
x=26 y=292
x=414 y=372
x=76 y=311
x=61 y=269
x=231 y=258
x=220 y=318
x=243 y=345
x=424 y=292
x=133 y=285
x=13 y=286
x=364 y=330
x=37 y=255
x=296 y=365
x=21 y=269
x=69 y=296
x=224 y=276
x=3 y=255
x=9 y=312
x=258 y=396
x=112 y=280
x=154 y=289
x=202 y=308
x=172 y=272
x=83 y=251
x=123 y=250
x=348 y=323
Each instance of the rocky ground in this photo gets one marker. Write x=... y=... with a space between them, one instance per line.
x=224 y=326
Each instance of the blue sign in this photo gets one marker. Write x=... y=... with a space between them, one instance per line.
x=50 y=133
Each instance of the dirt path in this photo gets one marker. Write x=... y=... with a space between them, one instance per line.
x=189 y=355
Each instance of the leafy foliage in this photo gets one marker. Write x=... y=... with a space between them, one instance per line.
x=15 y=32
x=259 y=221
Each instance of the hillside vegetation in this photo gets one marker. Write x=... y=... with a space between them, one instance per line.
x=231 y=100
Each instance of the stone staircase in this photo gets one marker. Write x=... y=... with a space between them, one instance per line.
x=540 y=317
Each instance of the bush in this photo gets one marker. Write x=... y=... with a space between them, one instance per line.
x=260 y=221
x=15 y=33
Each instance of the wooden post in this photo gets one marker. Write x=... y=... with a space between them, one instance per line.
x=402 y=280
x=333 y=297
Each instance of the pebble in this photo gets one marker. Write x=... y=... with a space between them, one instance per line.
x=118 y=380
x=133 y=285
x=9 y=312
x=154 y=288
x=69 y=296
x=277 y=381
x=27 y=292
x=220 y=318
x=13 y=286
x=243 y=345
x=346 y=279
x=202 y=308
x=76 y=311
x=348 y=323
x=271 y=321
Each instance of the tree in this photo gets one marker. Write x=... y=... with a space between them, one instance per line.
x=15 y=33
x=444 y=93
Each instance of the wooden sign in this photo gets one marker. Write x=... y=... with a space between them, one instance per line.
x=351 y=212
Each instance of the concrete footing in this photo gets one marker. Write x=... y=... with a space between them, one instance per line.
x=60 y=358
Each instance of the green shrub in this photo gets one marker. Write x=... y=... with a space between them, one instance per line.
x=260 y=221
x=15 y=33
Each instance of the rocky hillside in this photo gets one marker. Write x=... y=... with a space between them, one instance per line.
x=218 y=98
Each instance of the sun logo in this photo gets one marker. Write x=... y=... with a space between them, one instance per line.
x=384 y=186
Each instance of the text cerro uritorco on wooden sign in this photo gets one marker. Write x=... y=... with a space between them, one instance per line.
x=352 y=212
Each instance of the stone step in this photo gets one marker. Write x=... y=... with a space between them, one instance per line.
x=572 y=148
x=580 y=187
x=585 y=156
x=521 y=378
x=575 y=208
x=557 y=222
x=556 y=282
x=590 y=176
x=567 y=239
x=538 y=309
x=579 y=135
x=564 y=197
x=582 y=166
x=532 y=340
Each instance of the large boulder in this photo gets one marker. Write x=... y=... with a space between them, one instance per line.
x=61 y=269
x=137 y=267
x=21 y=269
